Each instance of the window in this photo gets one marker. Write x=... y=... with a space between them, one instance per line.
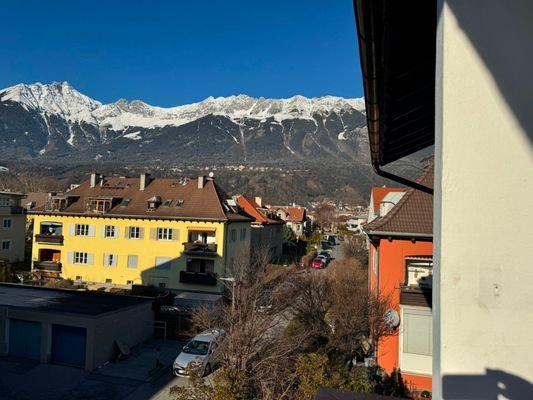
x=80 y=257
x=129 y=282
x=82 y=230
x=5 y=201
x=132 y=261
x=110 y=260
x=416 y=340
x=419 y=272
x=164 y=234
x=243 y=234
x=134 y=232
x=167 y=203
x=233 y=236
x=8 y=223
x=110 y=231
x=201 y=266
x=162 y=263
x=6 y=245
x=78 y=278
x=162 y=285
x=179 y=203
x=109 y=280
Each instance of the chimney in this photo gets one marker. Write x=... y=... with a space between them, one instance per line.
x=93 y=179
x=259 y=201
x=144 y=181
x=200 y=182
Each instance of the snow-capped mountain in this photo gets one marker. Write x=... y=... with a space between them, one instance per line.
x=52 y=120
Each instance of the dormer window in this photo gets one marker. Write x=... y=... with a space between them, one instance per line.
x=153 y=203
x=179 y=203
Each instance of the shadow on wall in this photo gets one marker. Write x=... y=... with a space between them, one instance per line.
x=502 y=34
x=494 y=385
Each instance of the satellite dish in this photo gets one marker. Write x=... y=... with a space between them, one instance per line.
x=211 y=174
x=391 y=318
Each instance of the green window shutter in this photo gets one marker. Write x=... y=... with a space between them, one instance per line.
x=70 y=257
x=116 y=232
x=90 y=258
x=72 y=229
x=141 y=233
x=92 y=230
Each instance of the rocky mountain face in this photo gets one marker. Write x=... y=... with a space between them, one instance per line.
x=55 y=121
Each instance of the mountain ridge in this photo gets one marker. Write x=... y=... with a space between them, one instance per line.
x=55 y=120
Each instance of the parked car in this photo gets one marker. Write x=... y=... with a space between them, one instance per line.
x=324 y=258
x=326 y=253
x=318 y=263
x=199 y=353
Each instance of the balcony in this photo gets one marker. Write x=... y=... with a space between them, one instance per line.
x=420 y=296
x=197 y=278
x=49 y=266
x=49 y=239
x=201 y=249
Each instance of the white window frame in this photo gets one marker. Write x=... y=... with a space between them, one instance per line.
x=81 y=257
x=413 y=362
x=110 y=260
x=110 y=231
x=4 y=247
x=132 y=257
x=10 y=225
x=164 y=234
x=134 y=232
x=81 y=230
x=163 y=263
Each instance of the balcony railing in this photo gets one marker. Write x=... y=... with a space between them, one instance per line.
x=208 y=249
x=48 y=238
x=197 y=278
x=47 y=266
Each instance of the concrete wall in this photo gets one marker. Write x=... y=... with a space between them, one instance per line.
x=269 y=237
x=130 y=326
x=483 y=315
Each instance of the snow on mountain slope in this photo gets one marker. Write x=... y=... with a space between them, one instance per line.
x=60 y=99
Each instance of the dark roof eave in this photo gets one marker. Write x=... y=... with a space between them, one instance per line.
x=400 y=234
x=107 y=215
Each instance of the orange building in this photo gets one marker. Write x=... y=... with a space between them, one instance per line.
x=401 y=268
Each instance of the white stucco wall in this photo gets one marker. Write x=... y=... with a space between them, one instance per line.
x=483 y=313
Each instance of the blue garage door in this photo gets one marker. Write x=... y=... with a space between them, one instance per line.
x=68 y=345
x=25 y=338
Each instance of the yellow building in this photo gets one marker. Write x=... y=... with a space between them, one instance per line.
x=173 y=233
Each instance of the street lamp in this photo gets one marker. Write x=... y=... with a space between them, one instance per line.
x=232 y=280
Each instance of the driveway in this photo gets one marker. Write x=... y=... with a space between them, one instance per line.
x=132 y=378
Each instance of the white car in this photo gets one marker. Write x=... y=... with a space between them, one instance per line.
x=199 y=353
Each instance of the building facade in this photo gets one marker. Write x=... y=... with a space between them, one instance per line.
x=177 y=234
x=401 y=270
x=12 y=227
x=267 y=227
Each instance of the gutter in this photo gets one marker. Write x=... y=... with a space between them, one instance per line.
x=401 y=179
x=403 y=234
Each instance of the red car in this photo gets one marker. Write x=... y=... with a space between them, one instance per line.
x=318 y=263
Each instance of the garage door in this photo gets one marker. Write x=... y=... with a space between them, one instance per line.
x=68 y=345
x=25 y=338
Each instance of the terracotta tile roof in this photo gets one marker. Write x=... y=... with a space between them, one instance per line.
x=295 y=214
x=378 y=193
x=413 y=214
x=180 y=199
x=253 y=209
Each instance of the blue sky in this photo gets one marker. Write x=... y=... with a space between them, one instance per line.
x=176 y=52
